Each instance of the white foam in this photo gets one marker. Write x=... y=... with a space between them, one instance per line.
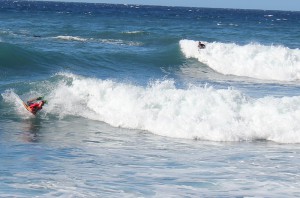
x=134 y=32
x=71 y=38
x=196 y=112
x=252 y=60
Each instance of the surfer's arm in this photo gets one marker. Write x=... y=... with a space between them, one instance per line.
x=34 y=99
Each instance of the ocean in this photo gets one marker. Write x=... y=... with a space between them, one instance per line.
x=136 y=109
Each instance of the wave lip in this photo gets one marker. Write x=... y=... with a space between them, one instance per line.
x=252 y=60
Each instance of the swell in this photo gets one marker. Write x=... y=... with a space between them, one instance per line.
x=18 y=61
x=15 y=58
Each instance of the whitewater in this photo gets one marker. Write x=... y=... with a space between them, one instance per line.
x=202 y=113
x=253 y=60
x=135 y=109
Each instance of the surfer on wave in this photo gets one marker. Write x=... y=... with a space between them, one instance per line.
x=35 y=104
x=201 y=45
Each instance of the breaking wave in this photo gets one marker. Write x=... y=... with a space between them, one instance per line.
x=196 y=112
x=252 y=60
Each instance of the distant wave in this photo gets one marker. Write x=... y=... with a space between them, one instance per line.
x=107 y=41
x=134 y=32
x=252 y=60
x=202 y=113
x=119 y=42
x=71 y=38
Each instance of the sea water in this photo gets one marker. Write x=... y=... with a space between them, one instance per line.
x=135 y=109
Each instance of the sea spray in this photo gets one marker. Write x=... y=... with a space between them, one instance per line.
x=15 y=103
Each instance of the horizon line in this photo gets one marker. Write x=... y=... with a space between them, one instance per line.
x=154 y=5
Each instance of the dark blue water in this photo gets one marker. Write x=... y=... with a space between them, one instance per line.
x=135 y=109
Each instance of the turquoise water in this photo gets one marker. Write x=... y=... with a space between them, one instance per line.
x=137 y=110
